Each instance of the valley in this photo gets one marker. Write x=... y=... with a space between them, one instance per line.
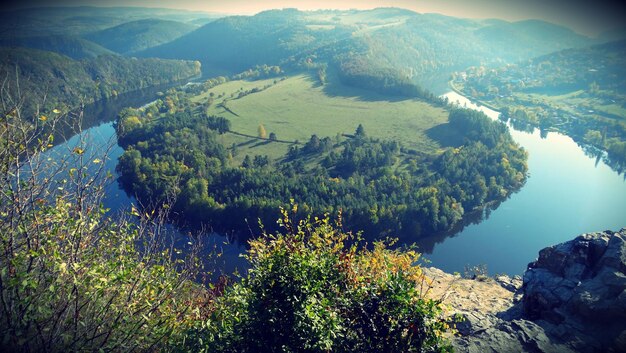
x=179 y=179
x=239 y=165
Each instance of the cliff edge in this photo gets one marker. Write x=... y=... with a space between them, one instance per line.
x=571 y=299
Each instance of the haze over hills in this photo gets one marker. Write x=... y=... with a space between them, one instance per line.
x=279 y=203
x=422 y=47
x=72 y=46
x=82 y=20
x=138 y=35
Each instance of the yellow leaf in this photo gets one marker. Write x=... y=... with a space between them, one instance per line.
x=56 y=111
x=97 y=161
x=78 y=150
x=43 y=118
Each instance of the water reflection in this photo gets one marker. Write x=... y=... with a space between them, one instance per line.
x=572 y=189
x=97 y=138
x=427 y=244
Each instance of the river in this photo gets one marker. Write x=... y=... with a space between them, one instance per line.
x=567 y=193
x=98 y=136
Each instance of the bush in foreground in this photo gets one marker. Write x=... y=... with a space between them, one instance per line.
x=74 y=279
x=317 y=289
x=71 y=278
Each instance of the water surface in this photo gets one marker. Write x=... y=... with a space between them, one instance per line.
x=567 y=193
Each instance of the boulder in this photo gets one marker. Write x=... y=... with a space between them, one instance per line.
x=579 y=289
x=571 y=299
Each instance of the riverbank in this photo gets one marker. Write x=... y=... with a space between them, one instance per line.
x=568 y=192
x=567 y=118
x=480 y=102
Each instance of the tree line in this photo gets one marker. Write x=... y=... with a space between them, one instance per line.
x=377 y=187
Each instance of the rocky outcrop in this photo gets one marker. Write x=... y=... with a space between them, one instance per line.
x=572 y=299
x=488 y=314
x=580 y=287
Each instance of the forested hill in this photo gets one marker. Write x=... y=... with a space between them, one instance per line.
x=237 y=43
x=72 y=46
x=65 y=82
x=139 y=35
x=580 y=92
x=423 y=47
x=603 y=64
x=83 y=20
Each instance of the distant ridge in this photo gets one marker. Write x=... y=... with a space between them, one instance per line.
x=139 y=35
x=423 y=47
x=74 y=47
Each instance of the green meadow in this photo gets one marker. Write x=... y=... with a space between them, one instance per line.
x=298 y=106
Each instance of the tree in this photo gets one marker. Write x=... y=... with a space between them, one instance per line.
x=313 y=145
x=272 y=136
x=73 y=278
x=594 y=137
x=260 y=161
x=360 y=131
x=261 y=131
x=247 y=162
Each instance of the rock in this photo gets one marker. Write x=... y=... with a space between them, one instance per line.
x=474 y=322
x=571 y=299
x=511 y=336
x=513 y=284
x=580 y=285
x=619 y=345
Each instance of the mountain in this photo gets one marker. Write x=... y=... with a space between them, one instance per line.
x=613 y=35
x=82 y=20
x=57 y=81
x=426 y=48
x=237 y=43
x=74 y=47
x=536 y=35
x=139 y=35
x=201 y=21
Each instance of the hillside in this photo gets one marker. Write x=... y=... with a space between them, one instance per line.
x=580 y=92
x=425 y=48
x=139 y=35
x=65 y=83
x=74 y=47
x=82 y=20
x=237 y=43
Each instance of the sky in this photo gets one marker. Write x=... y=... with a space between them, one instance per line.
x=585 y=16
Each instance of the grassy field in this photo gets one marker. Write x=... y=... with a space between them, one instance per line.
x=578 y=103
x=297 y=107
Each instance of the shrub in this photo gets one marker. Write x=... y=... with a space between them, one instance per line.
x=72 y=279
x=317 y=289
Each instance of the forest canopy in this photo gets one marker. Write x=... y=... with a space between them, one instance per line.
x=172 y=148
